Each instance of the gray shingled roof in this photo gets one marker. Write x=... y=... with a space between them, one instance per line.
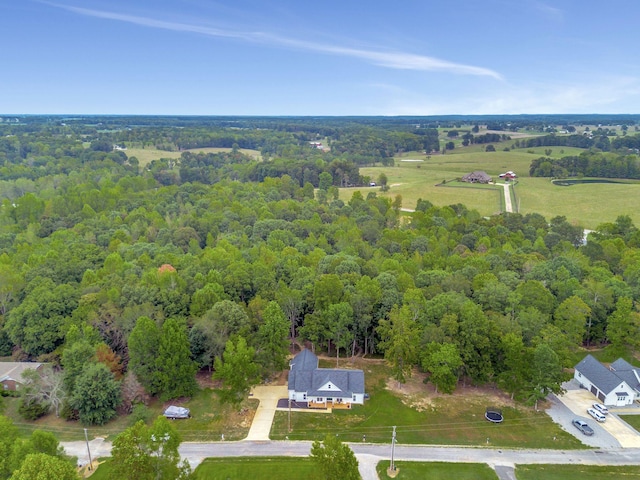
x=13 y=370
x=305 y=376
x=627 y=372
x=305 y=360
x=348 y=381
x=603 y=378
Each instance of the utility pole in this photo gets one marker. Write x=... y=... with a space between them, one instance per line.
x=392 y=467
x=86 y=437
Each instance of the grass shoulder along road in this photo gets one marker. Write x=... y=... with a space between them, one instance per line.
x=437 y=471
x=255 y=468
x=582 y=472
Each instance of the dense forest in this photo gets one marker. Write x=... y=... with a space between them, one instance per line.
x=133 y=277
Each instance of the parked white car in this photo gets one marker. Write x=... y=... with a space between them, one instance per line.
x=601 y=408
x=596 y=414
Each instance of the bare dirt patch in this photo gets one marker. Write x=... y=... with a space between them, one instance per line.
x=420 y=395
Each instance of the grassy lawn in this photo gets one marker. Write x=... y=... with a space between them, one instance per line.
x=570 y=472
x=209 y=420
x=423 y=417
x=438 y=471
x=588 y=205
x=257 y=468
x=103 y=472
x=633 y=420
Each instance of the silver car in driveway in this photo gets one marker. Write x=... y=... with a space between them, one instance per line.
x=582 y=426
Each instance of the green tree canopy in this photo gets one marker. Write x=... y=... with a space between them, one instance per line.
x=335 y=459
x=237 y=370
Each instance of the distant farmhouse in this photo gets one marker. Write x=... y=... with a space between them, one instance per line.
x=11 y=373
x=508 y=175
x=323 y=387
x=477 y=177
x=617 y=385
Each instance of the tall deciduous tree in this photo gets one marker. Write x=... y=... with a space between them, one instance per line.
x=571 y=318
x=623 y=325
x=335 y=459
x=399 y=341
x=175 y=371
x=144 y=344
x=443 y=362
x=237 y=370
x=546 y=374
x=147 y=453
x=272 y=339
x=96 y=395
x=43 y=466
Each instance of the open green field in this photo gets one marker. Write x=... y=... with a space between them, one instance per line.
x=147 y=155
x=258 y=468
x=633 y=420
x=209 y=420
x=588 y=205
x=571 y=472
x=437 y=471
x=423 y=417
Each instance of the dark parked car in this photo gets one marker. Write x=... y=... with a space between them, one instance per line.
x=583 y=426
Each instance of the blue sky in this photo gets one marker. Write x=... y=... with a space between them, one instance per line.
x=337 y=57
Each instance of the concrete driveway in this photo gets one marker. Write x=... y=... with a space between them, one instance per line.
x=578 y=401
x=262 y=420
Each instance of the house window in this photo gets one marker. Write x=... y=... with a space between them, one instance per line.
x=621 y=399
x=304 y=396
x=319 y=399
x=579 y=374
x=354 y=398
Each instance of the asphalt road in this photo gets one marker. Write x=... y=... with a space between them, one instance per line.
x=196 y=452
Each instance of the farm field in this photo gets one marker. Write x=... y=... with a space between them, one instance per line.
x=147 y=155
x=423 y=417
x=587 y=205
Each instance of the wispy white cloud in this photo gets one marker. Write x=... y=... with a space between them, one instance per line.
x=611 y=94
x=552 y=12
x=388 y=59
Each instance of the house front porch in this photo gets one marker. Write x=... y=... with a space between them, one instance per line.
x=337 y=404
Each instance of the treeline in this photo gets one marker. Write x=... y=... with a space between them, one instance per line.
x=600 y=142
x=587 y=164
x=131 y=285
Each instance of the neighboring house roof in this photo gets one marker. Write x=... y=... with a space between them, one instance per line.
x=13 y=370
x=305 y=376
x=605 y=379
x=477 y=177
